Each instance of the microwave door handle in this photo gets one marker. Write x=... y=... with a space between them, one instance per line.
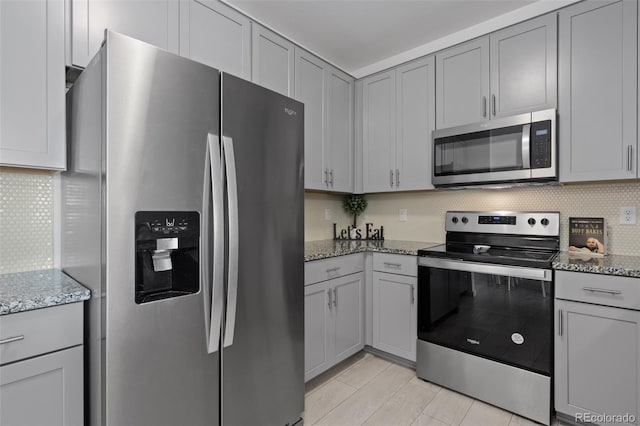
x=214 y=162
x=526 y=146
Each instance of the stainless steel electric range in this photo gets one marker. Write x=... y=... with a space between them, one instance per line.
x=485 y=309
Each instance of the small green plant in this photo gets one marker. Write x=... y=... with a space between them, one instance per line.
x=354 y=204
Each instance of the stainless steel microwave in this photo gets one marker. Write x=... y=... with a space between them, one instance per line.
x=507 y=150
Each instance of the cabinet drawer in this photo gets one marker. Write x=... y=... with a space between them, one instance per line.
x=395 y=264
x=36 y=332
x=623 y=292
x=326 y=269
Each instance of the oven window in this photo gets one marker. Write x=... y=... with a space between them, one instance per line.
x=479 y=152
x=504 y=319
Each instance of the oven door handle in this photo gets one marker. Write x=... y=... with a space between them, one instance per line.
x=485 y=268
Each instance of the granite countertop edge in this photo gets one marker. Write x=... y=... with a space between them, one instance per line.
x=617 y=265
x=26 y=291
x=324 y=249
x=612 y=264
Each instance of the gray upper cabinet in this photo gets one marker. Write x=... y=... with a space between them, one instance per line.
x=523 y=63
x=415 y=120
x=398 y=116
x=598 y=91
x=340 y=130
x=310 y=90
x=216 y=35
x=327 y=94
x=379 y=132
x=272 y=60
x=153 y=21
x=32 y=103
x=462 y=84
x=508 y=72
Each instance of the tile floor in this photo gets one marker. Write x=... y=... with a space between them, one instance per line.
x=368 y=390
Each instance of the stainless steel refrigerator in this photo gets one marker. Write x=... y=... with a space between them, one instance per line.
x=182 y=211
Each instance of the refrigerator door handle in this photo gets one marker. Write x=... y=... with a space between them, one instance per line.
x=234 y=241
x=214 y=160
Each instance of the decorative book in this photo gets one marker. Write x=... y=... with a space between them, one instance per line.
x=588 y=235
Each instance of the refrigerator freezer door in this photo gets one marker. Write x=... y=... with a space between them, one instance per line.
x=263 y=368
x=159 y=110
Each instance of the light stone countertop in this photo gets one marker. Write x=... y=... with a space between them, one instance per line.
x=322 y=249
x=611 y=264
x=25 y=291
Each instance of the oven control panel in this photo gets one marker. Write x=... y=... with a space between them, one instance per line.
x=522 y=223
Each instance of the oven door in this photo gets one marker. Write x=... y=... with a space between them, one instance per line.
x=497 y=312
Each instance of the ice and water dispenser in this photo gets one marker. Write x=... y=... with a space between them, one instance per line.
x=167 y=254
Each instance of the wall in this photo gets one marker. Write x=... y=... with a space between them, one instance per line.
x=26 y=220
x=426 y=210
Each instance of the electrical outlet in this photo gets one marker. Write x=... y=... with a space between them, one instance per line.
x=628 y=215
x=327 y=214
x=403 y=215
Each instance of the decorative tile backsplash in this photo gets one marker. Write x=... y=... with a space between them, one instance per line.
x=26 y=220
x=426 y=209
x=26 y=213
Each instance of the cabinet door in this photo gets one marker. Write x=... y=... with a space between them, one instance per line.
x=272 y=60
x=339 y=130
x=310 y=90
x=395 y=314
x=523 y=67
x=216 y=35
x=597 y=356
x=379 y=132
x=598 y=91
x=45 y=390
x=348 y=315
x=415 y=122
x=317 y=323
x=32 y=103
x=462 y=86
x=152 y=21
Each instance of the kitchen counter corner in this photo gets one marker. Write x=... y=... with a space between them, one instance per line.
x=322 y=249
x=25 y=291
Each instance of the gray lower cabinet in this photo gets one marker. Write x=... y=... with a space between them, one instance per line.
x=597 y=348
x=45 y=390
x=32 y=103
x=333 y=312
x=334 y=327
x=598 y=82
x=41 y=367
x=395 y=305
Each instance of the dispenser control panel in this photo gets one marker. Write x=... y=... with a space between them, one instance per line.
x=158 y=224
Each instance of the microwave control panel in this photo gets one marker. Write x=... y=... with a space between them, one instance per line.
x=541 y=144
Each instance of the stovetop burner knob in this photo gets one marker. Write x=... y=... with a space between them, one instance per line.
x=454 y=219
x=531 y=221
x=464 y=219
x=544 y=221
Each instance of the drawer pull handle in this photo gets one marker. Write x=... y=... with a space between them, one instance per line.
x=392 y=265
x=330 y=270
x=11 y=339
x=601 y=290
